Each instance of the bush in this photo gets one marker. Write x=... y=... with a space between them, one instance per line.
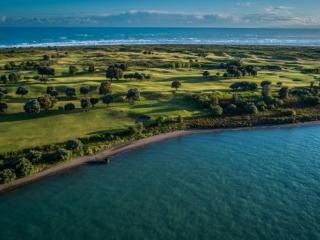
x=3 y=106
x=311 y=101
x=261 y=106
x=7 y=175
x=34 y=156
x=250 y=108
x=289 y=113
x=217 y=111
x=74 y=145
x=24 y=167
x=69 y=107
x=231 y=109
x=62 y=155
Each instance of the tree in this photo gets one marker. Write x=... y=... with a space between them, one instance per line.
x=24 y=167
x=69 y=107
x=176 y=84
x=3 y=92
x=32 y=106
x=133 y=95
x=46 y=57
x=217 y=111
x=3 y=107
x=284 y=93
x=46 y=71
x=244 y=86
x=105 y=88
x=14 y=77
x=52 y=91
x=22 y=91
x=84 y=90
x=114 y=72
x=107 y=99
x=265 y=83
x=206 y=74
x=94 y=101
x=73 y=69
x=4 y=79
x=47 y=101
x=266 y=90
x=91 y=68
x=70 y=92
x=85 y=103
x=7 y=175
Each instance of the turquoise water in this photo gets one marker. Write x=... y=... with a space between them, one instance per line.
x=35 y=37
x=257 y=184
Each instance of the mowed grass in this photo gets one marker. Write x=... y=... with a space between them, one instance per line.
x=19 y=130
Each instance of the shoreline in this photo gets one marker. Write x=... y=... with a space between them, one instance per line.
x=121 y=148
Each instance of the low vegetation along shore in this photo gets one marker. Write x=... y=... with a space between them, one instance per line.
x=58 y=104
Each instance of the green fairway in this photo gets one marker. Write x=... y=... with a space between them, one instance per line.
x=20 y=130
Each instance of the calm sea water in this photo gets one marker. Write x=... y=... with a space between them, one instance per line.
x=26 y=37
x=257 y=184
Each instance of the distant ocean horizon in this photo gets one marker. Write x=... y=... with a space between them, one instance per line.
x=59 y=36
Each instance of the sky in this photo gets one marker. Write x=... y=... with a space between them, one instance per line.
x=161 y=13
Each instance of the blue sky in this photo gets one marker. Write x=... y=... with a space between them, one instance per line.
x=215 y=13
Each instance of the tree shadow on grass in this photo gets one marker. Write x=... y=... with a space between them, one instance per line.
x=22 y=116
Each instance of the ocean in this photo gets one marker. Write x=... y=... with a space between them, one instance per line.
x=246 y=184
x=43 y=37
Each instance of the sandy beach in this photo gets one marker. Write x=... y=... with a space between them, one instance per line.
x=100 y=156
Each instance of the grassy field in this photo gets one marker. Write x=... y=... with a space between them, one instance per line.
x=19 y=130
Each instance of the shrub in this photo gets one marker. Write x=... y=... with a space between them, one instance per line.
x=180 y=119
x=69 y=107
x=7 y=175
x=3 y=106
x=250 y=108
x=311 y=101
x=284 y=93
x=217 y=111
x=231 y=109
x=62 y=155
x=289 y=112
x=72 y=69
x=277 y=102
x=34 y=156
x=261 y=106
x=74 y=145
x=24 y=167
